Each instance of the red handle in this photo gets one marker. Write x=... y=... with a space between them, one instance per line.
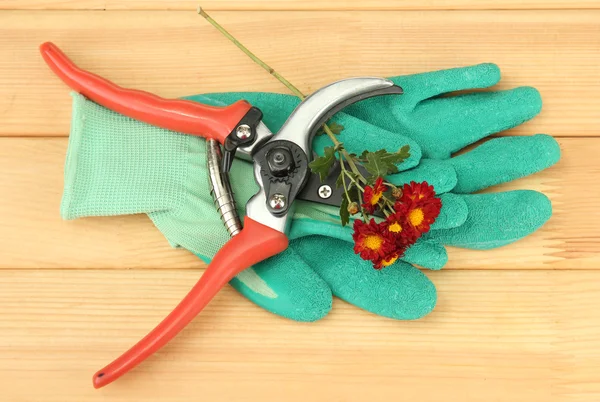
x=172 y=114
x=255 y=243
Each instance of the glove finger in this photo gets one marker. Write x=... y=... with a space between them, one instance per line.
x=429 y=254
x=392 y=112
x=501 y=160
x=473 y=117
x=497 y=219
x=399 y=291
x=285 y=285
x=453 y=214
x=439 y=174
x=423 y=86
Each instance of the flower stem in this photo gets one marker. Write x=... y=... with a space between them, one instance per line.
x=344 y=181
x=265 y=66
x=362 y=209
x=353 y=165
x=254 y=58
x=354 y=181
x=390 y=202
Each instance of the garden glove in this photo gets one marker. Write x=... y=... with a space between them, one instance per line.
x=414 y=296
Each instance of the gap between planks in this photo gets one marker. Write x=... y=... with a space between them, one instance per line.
x=31 y=174
x=297 y=5
x=557 y=52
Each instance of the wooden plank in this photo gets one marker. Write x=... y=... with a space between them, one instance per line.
x=494 y=336
x=291 y=5
x=175 y=53
x=34 y=236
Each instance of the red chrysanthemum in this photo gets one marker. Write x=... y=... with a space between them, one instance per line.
x=384 y=243
x=419 y=192
x=420 y=215
x=386 y=262
x=371 y=242
x=421 y=205
x=399 y=225
x=373 y=195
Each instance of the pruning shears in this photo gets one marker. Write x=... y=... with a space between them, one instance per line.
x=280 y=169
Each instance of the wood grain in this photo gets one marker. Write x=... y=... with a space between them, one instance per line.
x=31 y=174
x=520 y=323
x=494 y=335
x=291 y=5
x=178 y=53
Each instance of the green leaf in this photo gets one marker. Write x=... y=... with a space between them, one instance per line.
x=322 y=165
x=333 y=126
x=385 y=159
x=404 y=152
x=344 y=214
x=375 y=164
x=371 y=180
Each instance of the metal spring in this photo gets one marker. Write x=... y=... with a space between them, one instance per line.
x=220 y=189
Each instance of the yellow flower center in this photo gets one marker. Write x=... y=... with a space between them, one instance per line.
x=386 y=263
x=373 y=242
x=416 y=216
x=395 y=227
x=375 y=198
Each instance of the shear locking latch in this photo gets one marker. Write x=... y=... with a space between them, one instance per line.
x=244 y=134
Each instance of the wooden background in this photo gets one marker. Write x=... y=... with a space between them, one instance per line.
x=517 y=324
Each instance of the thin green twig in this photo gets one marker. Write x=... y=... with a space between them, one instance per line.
x=346 y=193
x=279 y=77
x=254 y=58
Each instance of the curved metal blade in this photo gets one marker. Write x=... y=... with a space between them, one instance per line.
x=297 y=133
x=316 y=109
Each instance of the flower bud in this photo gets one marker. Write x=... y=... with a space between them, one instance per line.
x=353 y=208
x=397 y=192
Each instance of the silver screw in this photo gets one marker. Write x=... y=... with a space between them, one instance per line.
x=243 y=131
x=325 y=191
x=277 y=201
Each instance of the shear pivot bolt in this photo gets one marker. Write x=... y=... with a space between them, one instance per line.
x=325 y=191
x=280 y=161
x=243 y=131
x=277 y=201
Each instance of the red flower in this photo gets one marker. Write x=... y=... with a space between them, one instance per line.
x=399 y=225
x=386 y=262
x=421 y=205
x=421 y=215
x=417 y=192
x=373 y=195
x=372 y=243
x=383 y=243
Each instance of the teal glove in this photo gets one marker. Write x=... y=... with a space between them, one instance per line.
x=441 y=126
x=286 y=284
